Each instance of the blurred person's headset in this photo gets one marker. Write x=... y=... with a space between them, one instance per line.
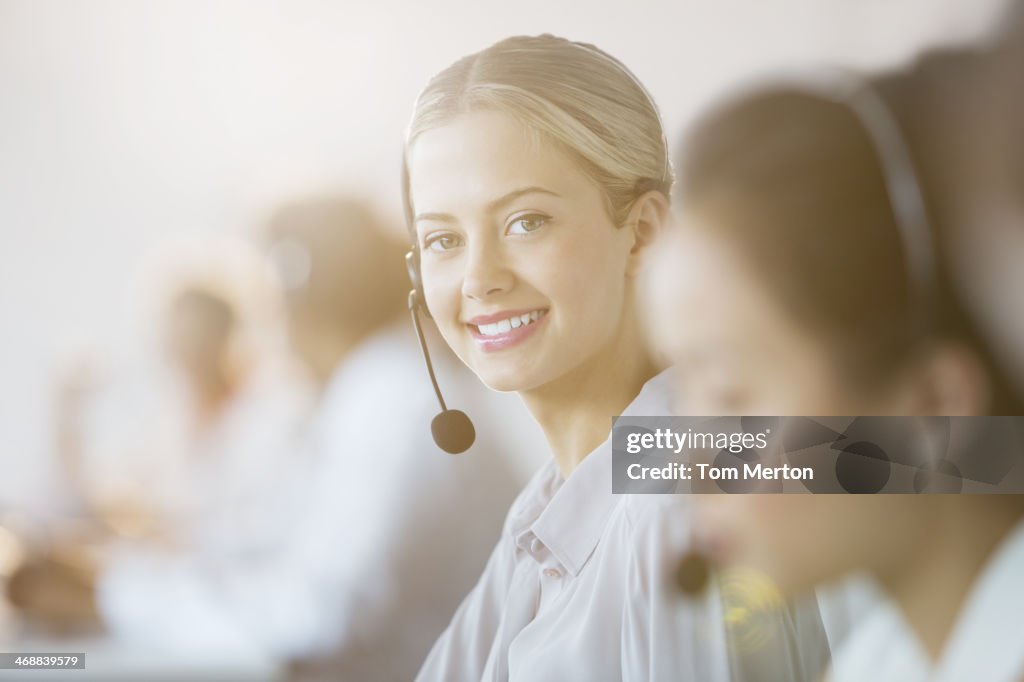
x=906 y=197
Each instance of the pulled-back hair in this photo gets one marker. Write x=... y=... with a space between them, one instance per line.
x=572 y=94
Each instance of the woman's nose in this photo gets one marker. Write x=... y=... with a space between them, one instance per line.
x=486 y=274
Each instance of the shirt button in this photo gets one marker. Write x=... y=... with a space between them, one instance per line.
x=552 y=573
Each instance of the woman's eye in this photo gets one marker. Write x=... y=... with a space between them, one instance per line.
x=443 y=242
x=527 y=223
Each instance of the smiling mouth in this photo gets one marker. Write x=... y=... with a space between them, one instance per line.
x=508 y=324
x=507 y=331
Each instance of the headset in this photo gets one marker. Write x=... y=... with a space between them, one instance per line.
x=907 y=200
x=452 y=430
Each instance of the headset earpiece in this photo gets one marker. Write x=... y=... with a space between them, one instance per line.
x=452 y=429
x=412 y=266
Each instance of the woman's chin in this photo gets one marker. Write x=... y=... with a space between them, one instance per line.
x=506 y=379
x=501 y=382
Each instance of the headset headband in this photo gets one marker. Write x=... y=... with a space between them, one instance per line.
x=903 y=187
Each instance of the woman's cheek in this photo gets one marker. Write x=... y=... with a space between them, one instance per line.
x=440 y=289
x=576 y=290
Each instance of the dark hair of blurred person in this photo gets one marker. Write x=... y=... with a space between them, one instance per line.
x=793 y=184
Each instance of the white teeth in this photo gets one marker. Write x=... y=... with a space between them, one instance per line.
x=507 y=325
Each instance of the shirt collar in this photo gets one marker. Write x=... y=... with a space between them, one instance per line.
x=988 y=626
x=573 y=520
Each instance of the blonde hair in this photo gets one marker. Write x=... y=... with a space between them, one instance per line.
x=574 y=94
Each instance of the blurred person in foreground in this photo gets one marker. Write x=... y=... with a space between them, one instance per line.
x=790 y=288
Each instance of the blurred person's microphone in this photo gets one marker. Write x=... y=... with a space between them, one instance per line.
x=750 y=601
x=693 y=574
x=452 y=429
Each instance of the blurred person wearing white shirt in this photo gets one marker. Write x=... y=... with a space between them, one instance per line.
x=795 y=260
x=412 y=524
x=182 y=470
x=223 y=431
x=158 y=439
x=382 y=547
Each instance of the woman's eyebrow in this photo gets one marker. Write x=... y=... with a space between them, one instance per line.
x=439 y=217
x=491 y=207
x=515 y=194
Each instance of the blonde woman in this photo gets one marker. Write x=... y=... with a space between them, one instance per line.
x=537 y=177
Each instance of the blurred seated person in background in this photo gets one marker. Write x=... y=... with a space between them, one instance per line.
x=236 y=417
x=379 y=548
x=389 y=547
x=790 y=288
x=186 y=473
x=154 y=440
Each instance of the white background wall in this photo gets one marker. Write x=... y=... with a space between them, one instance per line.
x=124 y=122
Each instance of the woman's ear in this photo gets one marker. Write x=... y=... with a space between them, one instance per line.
x=953 y=382
x=648 y=218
